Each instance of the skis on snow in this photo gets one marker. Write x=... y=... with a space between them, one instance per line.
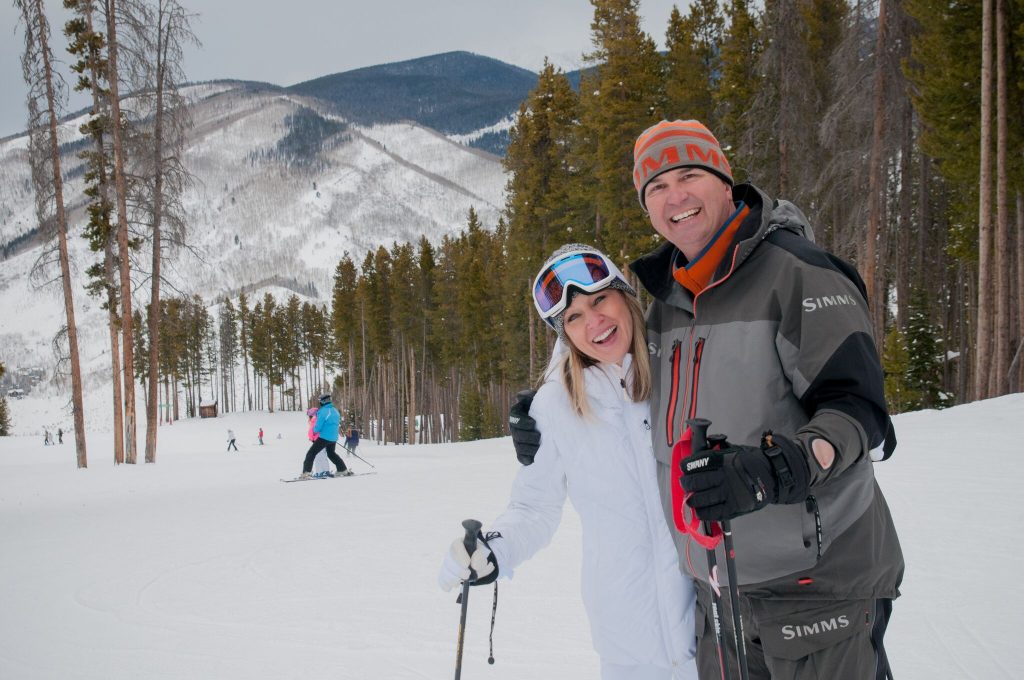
x=314 y=478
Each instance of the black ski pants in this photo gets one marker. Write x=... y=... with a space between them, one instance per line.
x=319 y=445
x=796 y=639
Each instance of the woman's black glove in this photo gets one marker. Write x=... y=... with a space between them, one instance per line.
x=525 y=437
x=726 y=481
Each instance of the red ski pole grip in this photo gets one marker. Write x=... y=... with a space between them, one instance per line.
x=695 y=438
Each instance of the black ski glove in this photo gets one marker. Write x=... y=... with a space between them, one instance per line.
x=725 y=481
x=525 y=436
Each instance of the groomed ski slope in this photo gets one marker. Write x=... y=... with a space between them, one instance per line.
x=206 y=566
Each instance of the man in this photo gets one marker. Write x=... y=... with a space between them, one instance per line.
x=325 y=429
x=766 y=335
x=231 y=440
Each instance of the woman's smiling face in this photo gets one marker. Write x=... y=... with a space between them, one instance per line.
x=600 y=325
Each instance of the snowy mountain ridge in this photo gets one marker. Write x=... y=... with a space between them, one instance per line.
x=259 y=214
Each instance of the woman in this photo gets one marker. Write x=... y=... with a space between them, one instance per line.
x=592 y=411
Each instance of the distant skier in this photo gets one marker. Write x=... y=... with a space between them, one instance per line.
x=321 y=464
x=231 y=440
x=60 y=436
x=261 y=436
x=352 y=439
x=326 y=430
x=47 y=438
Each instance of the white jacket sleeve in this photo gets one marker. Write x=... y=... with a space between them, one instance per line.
x=534 y=510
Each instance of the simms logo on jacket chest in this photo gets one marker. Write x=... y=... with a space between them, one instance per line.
x=814 y=303
x=801 y=630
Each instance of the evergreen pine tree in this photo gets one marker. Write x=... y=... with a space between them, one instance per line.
x=471 y=413
x=406 y=312
x=379 y=302
x=625 y=96
x=899 y=394
x=426 y=263
x=924 y=355
x=141 y=349
x=944 y=70
x=228 y=332
x=544 y=205
x=345 y=317
x=244 y=334
x=288 y=344
x=693 y=62
x=737 y=85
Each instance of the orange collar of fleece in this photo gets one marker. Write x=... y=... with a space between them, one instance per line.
x=696 y=275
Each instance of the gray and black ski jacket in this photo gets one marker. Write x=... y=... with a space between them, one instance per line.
x=780 y=339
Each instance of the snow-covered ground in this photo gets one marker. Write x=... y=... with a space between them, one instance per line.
x=205 y=566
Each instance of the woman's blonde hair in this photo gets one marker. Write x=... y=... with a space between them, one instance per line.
x=574 y=362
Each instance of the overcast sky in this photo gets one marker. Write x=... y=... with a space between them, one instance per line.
x=288 y=42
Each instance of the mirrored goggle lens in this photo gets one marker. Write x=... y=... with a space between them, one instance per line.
x=584 y=269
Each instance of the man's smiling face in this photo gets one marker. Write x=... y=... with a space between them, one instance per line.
x=687 y=206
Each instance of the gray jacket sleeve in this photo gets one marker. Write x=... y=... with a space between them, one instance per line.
x=829 y=355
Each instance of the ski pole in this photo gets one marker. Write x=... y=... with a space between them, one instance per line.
x=699 y=428
x=472 y=528
x=698 y=440
x=734 y=596
x=353 y=452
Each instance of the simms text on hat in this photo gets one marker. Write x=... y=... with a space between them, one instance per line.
x=676 y=144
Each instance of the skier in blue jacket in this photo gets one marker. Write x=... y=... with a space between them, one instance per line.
x=326 y=431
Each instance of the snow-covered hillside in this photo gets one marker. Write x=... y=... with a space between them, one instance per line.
x=205 y=566
x=254 y=219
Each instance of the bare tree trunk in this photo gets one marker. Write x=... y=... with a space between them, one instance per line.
x=876 y=184
x=115 y=351
x=924 y=215
x=37 y=32
x=102 y=184
x=1003 y=287
x=1020 y=288
x=983 y=344
x=270 y=389
x=245 y=365
x=158 y=195
x=412 y=397
x=905 y=232
x=121 y=192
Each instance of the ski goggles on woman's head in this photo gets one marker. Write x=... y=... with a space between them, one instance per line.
x=588 y=270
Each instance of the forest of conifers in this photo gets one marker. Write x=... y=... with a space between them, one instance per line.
x=895 y=125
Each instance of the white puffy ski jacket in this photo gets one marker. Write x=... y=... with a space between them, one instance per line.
x=639 y=604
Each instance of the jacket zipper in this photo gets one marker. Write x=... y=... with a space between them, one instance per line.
x=812 y=507
x=698 y=350
x=673 y=393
